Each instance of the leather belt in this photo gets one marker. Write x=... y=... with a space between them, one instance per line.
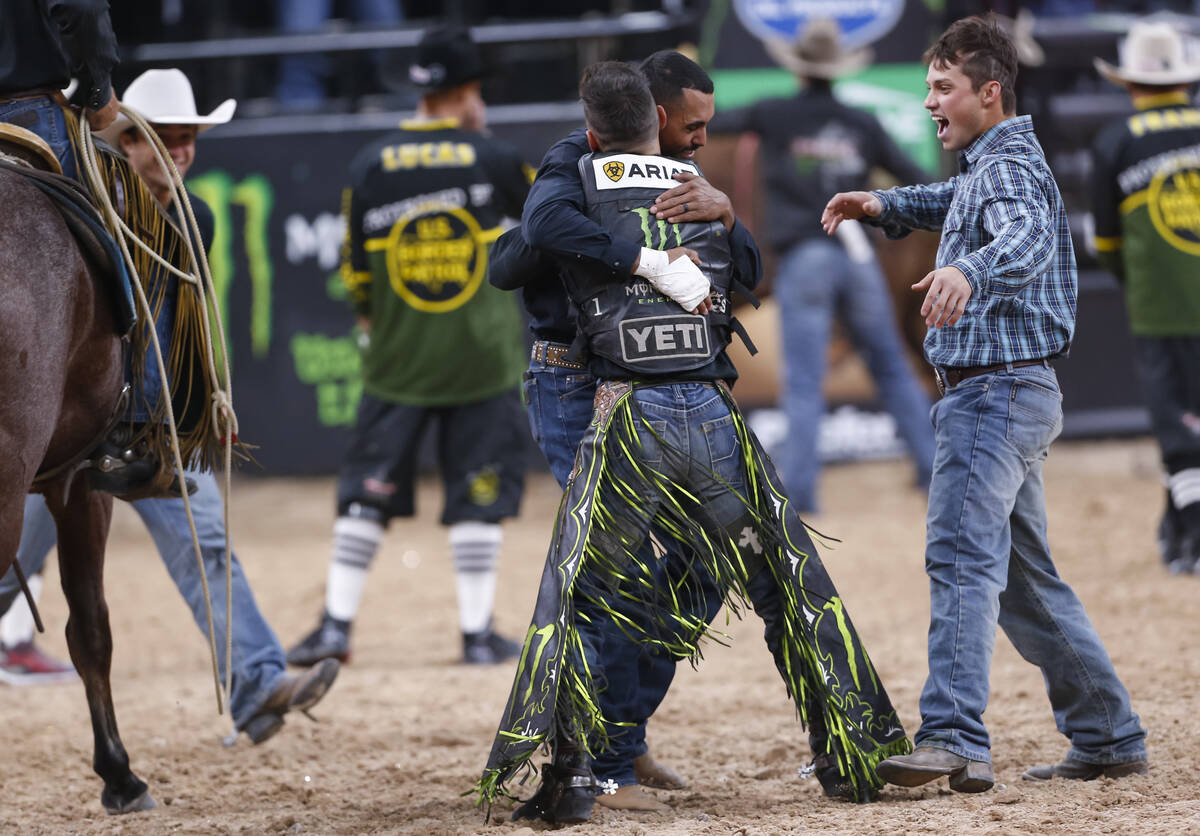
x=951 y=376
x=554 y=354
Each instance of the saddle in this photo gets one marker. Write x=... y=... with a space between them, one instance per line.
x=25 y=153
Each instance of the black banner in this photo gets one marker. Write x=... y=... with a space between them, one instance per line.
x=296 y=368
x=275 y=257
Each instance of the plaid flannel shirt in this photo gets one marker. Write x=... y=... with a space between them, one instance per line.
x=1004 y=226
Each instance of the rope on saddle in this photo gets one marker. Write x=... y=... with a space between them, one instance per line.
x=193 y=309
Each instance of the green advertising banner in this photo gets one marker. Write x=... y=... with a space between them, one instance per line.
x=893 y=92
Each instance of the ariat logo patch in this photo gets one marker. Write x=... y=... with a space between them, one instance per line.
x=652 y=337
x=634 y=171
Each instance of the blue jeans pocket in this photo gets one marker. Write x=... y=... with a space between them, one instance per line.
x=533 y=406
x=570 y=385
x=721 y=438
x=651 y=452
x=1034 y=417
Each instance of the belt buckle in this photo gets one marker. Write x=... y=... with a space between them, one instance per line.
x=939 y=377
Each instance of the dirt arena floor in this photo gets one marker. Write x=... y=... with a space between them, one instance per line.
x=405 y=730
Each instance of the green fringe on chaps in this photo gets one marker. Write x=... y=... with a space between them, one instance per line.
x=186 y=352
x=611 y=501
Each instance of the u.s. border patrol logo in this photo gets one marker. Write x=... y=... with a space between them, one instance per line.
x=614 y=169
x=1173 y=198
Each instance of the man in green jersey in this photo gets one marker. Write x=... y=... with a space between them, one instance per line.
x=445 y=347
x=1146 y=201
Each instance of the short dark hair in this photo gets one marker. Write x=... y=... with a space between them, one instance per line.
x=670 y=73
x=617 y=104
x=983 y=51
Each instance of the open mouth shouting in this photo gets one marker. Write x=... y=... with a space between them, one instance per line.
x=943 y=126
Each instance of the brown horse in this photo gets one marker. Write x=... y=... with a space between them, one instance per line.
x=61 y=377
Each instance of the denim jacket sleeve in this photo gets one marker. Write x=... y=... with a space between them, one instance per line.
x=553 y=218
x=1019 y=227
x=512 y=264
x=906 y=208
x=747 y=263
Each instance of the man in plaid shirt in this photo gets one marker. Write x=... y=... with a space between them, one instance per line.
x=1000 y=306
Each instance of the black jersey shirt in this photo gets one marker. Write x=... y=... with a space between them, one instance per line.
x=813 y=147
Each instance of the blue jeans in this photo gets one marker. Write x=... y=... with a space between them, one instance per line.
x=989 y=563
x=144 y=397
x=560 y=409
x=815 y=281
x=695 y=419
x=44 y=117
x=635 y=678
x=258 y=658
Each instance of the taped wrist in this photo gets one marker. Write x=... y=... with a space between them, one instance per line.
x=680 y=279
x=651 y=263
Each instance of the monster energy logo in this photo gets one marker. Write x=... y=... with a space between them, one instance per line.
x=664 y=231
x=256 y=197
x=332 y=366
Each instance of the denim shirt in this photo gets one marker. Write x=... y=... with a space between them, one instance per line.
x=1004 y=226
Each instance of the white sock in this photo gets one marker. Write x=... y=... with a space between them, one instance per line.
x=475 y=547
x=16 y=627
x=355 y=542
x=1185 y=487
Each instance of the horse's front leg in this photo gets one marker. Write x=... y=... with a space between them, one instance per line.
x=82 y=532
x=12 y=514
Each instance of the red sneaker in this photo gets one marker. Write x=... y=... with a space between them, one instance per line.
x=24 y=664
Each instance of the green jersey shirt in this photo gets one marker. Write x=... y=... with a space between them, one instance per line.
x=423 y=208
x=1146 y=202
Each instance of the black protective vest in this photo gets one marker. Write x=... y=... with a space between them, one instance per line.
x=631 y=324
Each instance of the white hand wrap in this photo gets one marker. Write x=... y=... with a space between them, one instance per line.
x=680 y=279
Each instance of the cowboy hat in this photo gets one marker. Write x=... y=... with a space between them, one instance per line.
x=164 y=97
x=818 y=53
x=1152 y=54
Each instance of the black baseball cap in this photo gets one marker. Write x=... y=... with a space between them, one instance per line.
x=446 y=57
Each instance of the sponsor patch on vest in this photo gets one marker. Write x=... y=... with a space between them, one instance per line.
x=633 y=171
x=654 y=337
x=614 y=170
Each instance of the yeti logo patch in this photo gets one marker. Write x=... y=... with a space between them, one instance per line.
x=654 y=337
x=614 y=169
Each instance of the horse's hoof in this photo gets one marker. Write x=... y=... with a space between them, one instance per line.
x=142 y=802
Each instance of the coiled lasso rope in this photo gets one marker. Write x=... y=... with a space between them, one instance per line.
x=222 y=414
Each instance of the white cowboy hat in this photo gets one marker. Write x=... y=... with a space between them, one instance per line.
x=1153 y=54
x=818 y=53
x=164 y=97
